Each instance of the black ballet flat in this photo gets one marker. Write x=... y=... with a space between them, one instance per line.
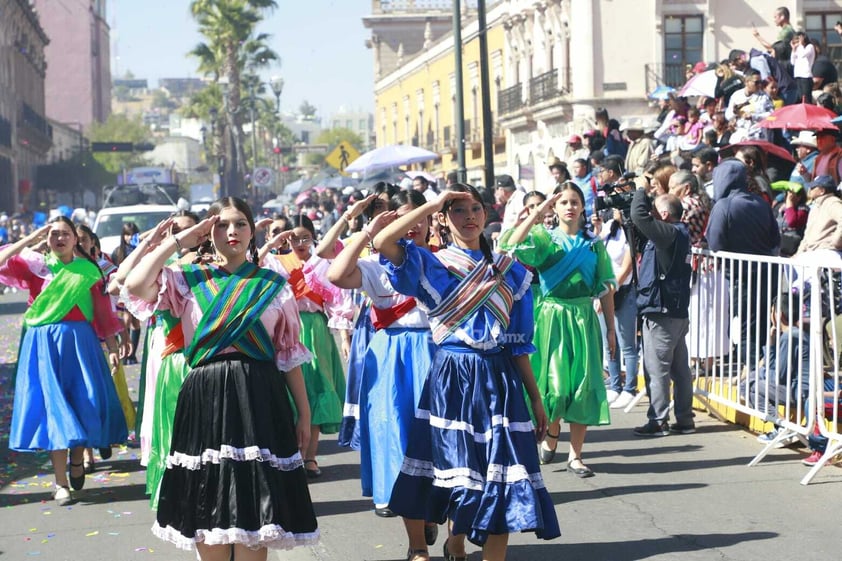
x=314 y=472
x=449 y=557
x=105 y=453
x=76 y=482
x=547 y=456
x=582 y=472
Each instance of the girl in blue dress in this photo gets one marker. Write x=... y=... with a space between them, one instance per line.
x=471 y=456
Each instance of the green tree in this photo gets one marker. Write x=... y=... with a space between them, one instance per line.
x=120 y=128
x=307 y=110
x=332 y=137
x=231 y=48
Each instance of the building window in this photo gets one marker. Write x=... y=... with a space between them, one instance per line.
x=819 y=28
x=363 y=124
x=682 y=46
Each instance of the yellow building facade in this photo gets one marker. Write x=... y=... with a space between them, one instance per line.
x=415 y=103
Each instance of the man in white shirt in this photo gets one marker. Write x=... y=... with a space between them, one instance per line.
x=509 y=199
x=749 y=106
x=421 y=185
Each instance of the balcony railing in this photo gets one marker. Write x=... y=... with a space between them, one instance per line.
x=34 y=120
x=544 y=86
x=393 y=6
x=664 y=74
x=510 y=99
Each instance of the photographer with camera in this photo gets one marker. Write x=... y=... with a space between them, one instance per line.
x=663 y=299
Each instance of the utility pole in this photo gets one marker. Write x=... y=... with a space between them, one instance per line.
x=461 y=170
x=252 y=100
x=485 y=88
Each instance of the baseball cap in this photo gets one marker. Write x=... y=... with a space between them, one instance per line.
x=824 y=181
x=574 y=139
x=589 y=132
x=505 y=181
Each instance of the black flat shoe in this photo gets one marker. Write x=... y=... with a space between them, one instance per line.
x=547 y=456
x=76 y=482
x=90 y=467
x=413 y=553
x=431 y=532
x=384 y=512
x=449 y=557
x=312 y=473
x=582 y=472
x=105 y=453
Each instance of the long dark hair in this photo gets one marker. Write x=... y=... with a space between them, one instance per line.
x=129 y=229
x=78 y=247
x=243 y=207
x=379 y=188
x=570 y=186
x=302 y=221
x=444 y=231
x=414 y=199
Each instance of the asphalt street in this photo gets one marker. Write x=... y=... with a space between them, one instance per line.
x=688 y=498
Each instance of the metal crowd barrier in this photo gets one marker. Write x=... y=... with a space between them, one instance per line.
x=731 y=323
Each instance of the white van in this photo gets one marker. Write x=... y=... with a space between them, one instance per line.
x=109 y=222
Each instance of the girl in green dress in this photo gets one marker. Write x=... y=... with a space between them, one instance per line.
x=573 y=269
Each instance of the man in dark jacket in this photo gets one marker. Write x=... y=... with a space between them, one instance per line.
x=742 y=222
x=663 y=299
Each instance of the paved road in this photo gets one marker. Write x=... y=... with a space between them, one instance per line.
x=688 y=498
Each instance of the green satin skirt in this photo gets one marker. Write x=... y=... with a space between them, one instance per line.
x=324 y=374
x=568 y=362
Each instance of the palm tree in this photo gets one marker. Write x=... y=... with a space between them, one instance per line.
x=232 y=47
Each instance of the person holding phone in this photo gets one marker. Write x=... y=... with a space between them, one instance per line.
x=802 y=59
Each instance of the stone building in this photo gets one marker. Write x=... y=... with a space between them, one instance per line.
x=25 y=133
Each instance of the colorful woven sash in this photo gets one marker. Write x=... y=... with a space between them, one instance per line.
x=579 y=256
x=231 y=304
x=295 y=267
x=69 y=288
x=382 y=318
x=478 y=287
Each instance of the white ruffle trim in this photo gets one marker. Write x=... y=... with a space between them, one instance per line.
x=251 y=453
x=524 y=286
x=270 y=536
x=288 y=359
x=469 y=478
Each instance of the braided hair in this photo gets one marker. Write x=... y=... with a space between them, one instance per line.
x=243 y=207
x=80 y=250
x=444 y=231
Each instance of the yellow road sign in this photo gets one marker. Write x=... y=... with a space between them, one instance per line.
x=341 y=156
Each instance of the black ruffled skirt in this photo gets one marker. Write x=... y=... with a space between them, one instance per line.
x=234 y=472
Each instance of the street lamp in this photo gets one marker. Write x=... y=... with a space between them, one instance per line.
x=277 y=85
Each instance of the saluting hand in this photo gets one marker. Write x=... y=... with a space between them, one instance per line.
x=197 y=235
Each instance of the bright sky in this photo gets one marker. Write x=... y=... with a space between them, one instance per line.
x=321 y=44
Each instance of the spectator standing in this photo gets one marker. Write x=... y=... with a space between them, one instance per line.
x=559 y=171
x=663 y=300
x=509 y=199
x=802 y=59
x=640 y=149
x=824 y=223
x=785 y=33
x=702 y=165
x=575 y=150
x=421 y=185
x=742 y=222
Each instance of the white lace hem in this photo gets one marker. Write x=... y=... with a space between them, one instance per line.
x=270 y=536
x=288 y=359
x=251 y=453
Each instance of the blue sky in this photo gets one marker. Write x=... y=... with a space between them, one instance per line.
x=321 y=44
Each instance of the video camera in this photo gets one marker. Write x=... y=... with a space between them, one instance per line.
x=617 y=195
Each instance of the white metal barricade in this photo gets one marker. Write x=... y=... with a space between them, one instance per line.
x=826 y=340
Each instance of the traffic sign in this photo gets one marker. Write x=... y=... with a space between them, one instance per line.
x=262 y=177
x=341 y=156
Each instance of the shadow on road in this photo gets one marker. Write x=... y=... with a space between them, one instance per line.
x=567 y=497
x=634 y=550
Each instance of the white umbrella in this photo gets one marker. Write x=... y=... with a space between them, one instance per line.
x=389 y=157
x=294 y=187
x=703 y=84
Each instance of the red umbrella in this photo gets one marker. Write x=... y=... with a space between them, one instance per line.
x=801 y=116
x=765 y=146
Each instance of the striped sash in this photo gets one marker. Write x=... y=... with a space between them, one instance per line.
x=478 y=287
x=231 y=304
x=295 y=267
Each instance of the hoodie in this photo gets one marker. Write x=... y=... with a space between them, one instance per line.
x=740 y=222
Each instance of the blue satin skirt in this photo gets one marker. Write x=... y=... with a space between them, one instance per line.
x=64 y=394
x=396 y=364
x=349 y=430
x=471 y=456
